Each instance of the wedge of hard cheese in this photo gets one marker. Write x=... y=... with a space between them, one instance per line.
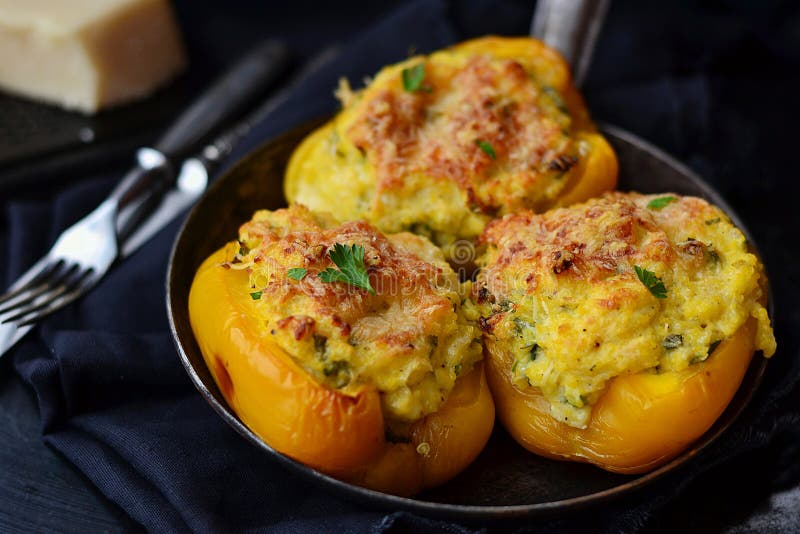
x=88 y=54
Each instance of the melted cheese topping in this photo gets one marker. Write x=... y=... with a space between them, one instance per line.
x=487 y=133
x=410 y=340
x=559 y=292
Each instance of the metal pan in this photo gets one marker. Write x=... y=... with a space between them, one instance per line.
x=506 y=481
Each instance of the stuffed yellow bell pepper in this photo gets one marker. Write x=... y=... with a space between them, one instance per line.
x=345 y=349
x=439 y=145
x=618 y=330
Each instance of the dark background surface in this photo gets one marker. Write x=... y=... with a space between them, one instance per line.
x=713 y=83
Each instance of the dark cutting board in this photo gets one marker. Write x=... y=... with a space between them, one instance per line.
x=42 y=143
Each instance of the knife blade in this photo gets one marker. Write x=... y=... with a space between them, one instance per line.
x=196 y=172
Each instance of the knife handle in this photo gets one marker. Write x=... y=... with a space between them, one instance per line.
x=139 y=222
x=220 y=103
x=226 y=98
x=214 y=153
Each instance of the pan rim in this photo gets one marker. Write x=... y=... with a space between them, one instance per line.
x=428 y=508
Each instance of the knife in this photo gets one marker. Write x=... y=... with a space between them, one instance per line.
x=197 y=171
x=221 y=103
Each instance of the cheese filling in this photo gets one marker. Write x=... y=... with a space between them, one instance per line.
x=410 y=340
x=623 y=284
x=439 y=145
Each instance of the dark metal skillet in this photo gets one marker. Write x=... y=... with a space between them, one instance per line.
x=505 y=482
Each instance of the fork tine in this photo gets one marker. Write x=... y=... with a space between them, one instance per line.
x=71 y=282
x=57 y=275
x=31 y=278
x=85 y=284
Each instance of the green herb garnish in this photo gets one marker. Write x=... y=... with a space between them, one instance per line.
x=421 y=229
x=486 y=147
x=709 y=222
x=651 y=282
x=297 y=273
x=339 y=370
x=320 y=343
x=350 y=261
x=555 y=96
x=712 y=256
x=457 y=369
x=503 y=306
x=713 y=346
x=335 y=367
x=521 y=324
x=660 y=202
x=255 y=295
x=672 y=341
x=413 y=78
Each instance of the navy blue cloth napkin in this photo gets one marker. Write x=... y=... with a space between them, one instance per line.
x=712 y=85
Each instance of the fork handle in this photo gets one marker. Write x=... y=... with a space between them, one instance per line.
x=219 y=104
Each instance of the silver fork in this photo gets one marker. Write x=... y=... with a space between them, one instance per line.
x=85 y=251
x=79 y=258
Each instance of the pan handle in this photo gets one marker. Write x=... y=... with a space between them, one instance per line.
x=572 y=28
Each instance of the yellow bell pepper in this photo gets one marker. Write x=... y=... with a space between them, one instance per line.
x=323 y=428
x=423 y=171
x=641 y=420
x=597 y=171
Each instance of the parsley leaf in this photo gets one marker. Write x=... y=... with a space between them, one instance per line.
x=413 y=78
x=256 y=295
x=296 y=273
x=486 y=147
x=651 y=282
x=660 y=202
x=352 y=270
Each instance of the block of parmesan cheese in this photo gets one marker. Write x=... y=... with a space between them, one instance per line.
x=88 y=54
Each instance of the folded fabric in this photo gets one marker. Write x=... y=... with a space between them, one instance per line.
x=116 y=402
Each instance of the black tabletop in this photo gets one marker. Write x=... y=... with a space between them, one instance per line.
x=39 y=490
x=718 y=89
